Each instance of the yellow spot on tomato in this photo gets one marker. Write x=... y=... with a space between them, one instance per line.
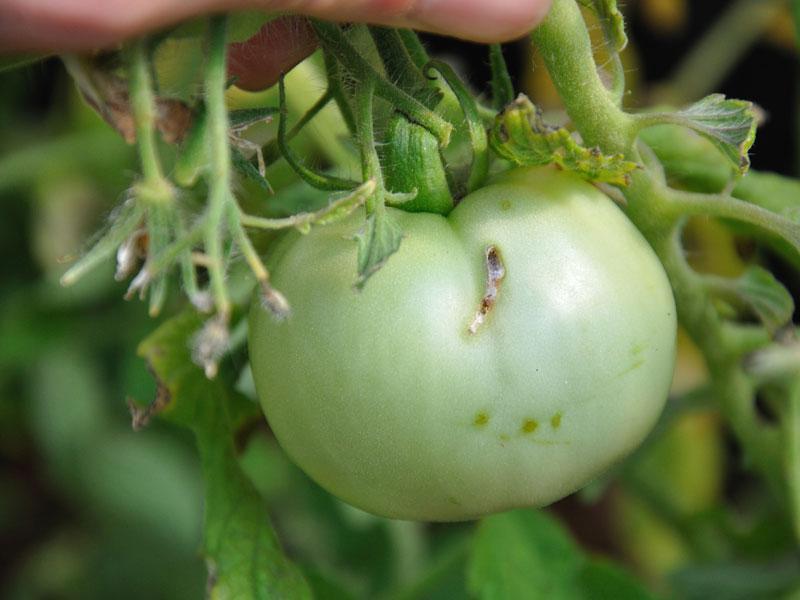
x=480 y=419
x=555 y=420
x=530 y=425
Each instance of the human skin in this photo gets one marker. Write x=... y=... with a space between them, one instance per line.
x=80 y=25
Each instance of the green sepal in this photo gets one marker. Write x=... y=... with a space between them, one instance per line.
x=520 y=135
x=377 y=241
x=415 y=164
x=248 y=170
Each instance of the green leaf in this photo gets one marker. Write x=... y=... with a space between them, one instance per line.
x=729 y=124
x=241 y=549
x=519 y=134
x=611 y=21
x=377 y=241
x=765 y=296
x=526 y=554
x=523 y=554
x=602 y=580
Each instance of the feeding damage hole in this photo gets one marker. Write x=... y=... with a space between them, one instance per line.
x=495 y=272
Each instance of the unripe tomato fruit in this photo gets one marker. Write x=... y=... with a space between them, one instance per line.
x=386 y=399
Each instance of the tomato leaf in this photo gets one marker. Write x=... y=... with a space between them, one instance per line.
x=766 y=297
x=241 y=549
x=602 y=579
x=523 y=554
x=377 y=241
x=611 y=21
x=729 y=124
x=527 y=554
x=519 y=134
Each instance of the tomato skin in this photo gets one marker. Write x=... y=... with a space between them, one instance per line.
x=385 y=398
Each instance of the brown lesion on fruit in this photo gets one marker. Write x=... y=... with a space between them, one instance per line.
x=481 y=419
x=495 y=272
x=555 y=420
x=529 y=426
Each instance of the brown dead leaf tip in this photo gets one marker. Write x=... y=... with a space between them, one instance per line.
x=142 y=415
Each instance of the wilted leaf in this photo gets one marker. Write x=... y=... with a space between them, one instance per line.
x=729 y=124
x=519 y=134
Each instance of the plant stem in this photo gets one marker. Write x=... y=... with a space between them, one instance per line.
x=219 y=171
x=414 y=47
x=143 y=107
x=502 y=88
x=371 y=165
x=333 y=41
x=564 y=44
x=399 y=65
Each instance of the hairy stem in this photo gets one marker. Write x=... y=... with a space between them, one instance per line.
x=143 y=107
x=564 y=44
x=219 y=171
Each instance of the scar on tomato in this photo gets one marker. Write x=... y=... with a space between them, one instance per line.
x=529 y=425
x=495 y=272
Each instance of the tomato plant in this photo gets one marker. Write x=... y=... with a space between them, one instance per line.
x=403 y=401
x=474 y=310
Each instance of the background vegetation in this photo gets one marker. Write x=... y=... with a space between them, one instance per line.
x=90 y=509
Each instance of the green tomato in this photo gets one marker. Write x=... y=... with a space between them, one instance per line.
x=388 y=400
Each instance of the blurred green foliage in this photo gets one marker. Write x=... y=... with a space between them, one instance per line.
x=91 y=510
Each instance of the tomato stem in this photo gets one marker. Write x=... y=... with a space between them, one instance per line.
x=334 y=42
x=659 y=212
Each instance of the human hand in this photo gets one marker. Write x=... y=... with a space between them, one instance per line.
x=82 y=25
x=74 y=25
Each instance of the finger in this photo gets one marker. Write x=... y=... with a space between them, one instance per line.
x=277 y=47
x=70 y=25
